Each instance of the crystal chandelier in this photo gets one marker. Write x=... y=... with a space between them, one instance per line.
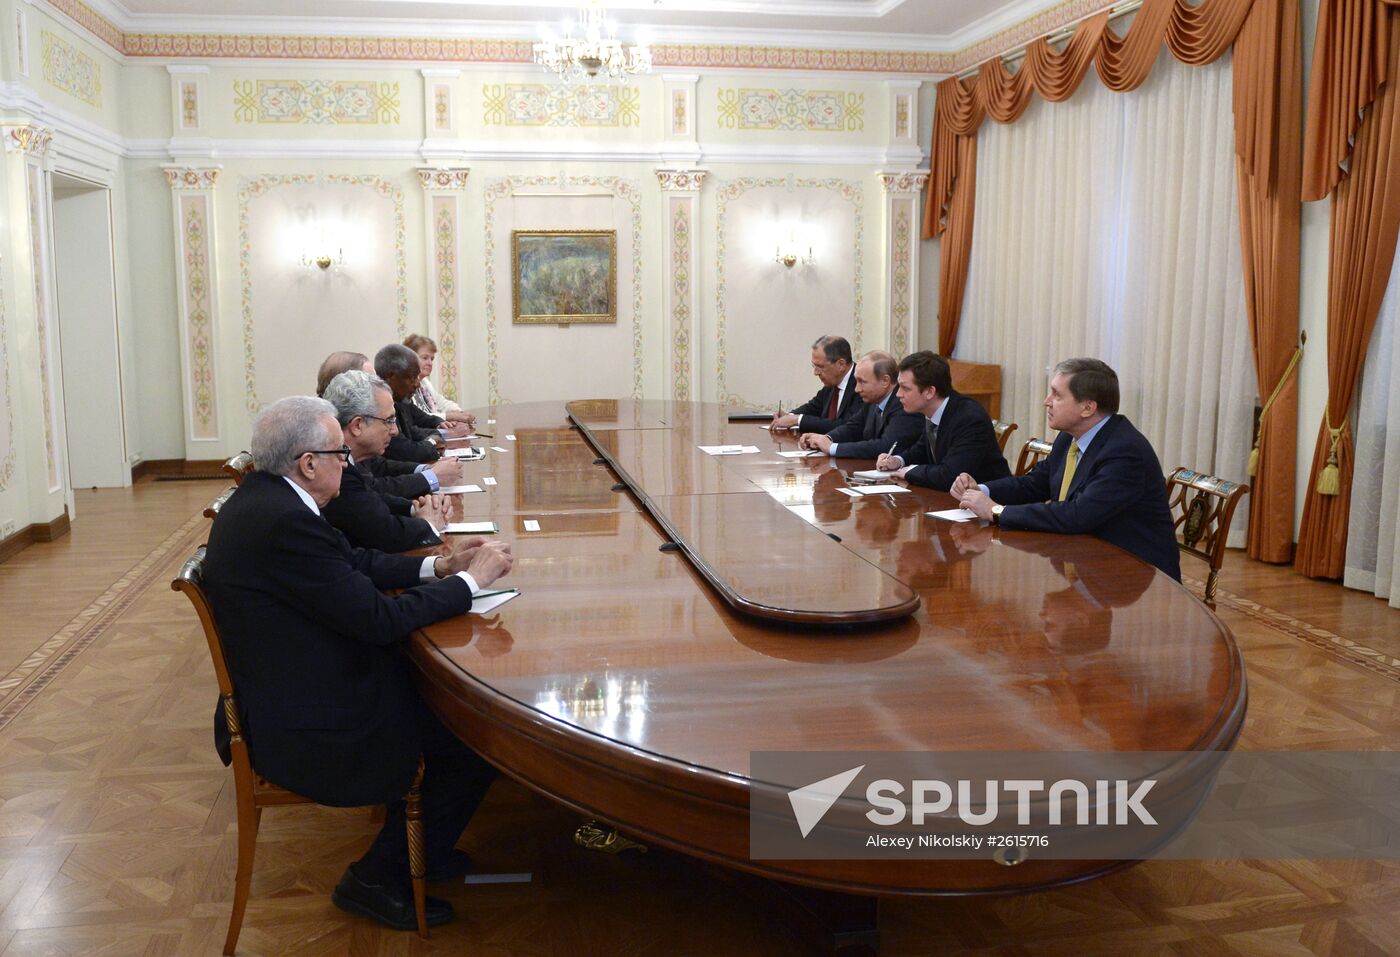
x=594 y=52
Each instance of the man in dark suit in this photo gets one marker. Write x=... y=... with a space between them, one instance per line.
x=364 y=408
x=884 y=426
x=420 y=434
x=315 y=650
x=1101 y=478
x=957 y=433
x=393 y=477
x=836 y=401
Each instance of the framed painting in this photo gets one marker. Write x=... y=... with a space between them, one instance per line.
x=564 y=275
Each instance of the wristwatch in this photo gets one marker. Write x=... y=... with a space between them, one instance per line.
x=996 y=514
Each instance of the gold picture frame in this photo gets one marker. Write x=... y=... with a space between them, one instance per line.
x=562 y=276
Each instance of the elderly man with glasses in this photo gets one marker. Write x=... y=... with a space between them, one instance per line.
x=315 y=650
x=364 y=407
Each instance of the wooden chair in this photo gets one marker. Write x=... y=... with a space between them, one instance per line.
x=211 y=511
x=255 y=792
x=1202 y=507
x=1003 y=431
x=1032 y=452
x=980 y=381
x=239 y=466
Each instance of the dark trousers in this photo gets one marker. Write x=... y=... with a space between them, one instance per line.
x=455 y=779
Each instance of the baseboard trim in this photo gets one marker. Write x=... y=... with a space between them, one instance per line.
x=39 y=532
x=155 y=467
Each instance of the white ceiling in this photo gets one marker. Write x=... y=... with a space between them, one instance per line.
x=938 y=25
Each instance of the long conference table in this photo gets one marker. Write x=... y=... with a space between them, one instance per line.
x=679 y=611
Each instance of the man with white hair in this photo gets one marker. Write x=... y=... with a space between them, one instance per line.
x=364 y=407
x=314 y=646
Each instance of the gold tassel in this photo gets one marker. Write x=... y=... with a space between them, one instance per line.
x=1254 y=460
x=1330 y=481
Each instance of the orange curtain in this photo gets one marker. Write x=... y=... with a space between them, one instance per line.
x=1365 y=226
x=1267 y=99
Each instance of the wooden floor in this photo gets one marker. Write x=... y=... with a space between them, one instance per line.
x=116 y=818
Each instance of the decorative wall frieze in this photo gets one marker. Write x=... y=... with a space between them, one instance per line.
x=191 y=177
x=681 y=180
x=69 y=69
x=447 y=177
x=27 y=139
x=910 y=181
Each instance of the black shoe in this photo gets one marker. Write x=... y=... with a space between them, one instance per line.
x=391 y=905
x=456 y=867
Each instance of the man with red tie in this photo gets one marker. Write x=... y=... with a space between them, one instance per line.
x=1102 y=477
x=836 y=401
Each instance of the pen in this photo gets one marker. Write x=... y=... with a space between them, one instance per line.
x=498 y=591
x=482 y=435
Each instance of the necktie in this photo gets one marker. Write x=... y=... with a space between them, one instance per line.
x=1071 y=462
x=931 y=434
x=831 y=403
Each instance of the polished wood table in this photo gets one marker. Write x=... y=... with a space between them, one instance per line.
x=632 y=679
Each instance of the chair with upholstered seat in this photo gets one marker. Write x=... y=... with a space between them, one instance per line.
x=1031 y=453
x=1202 y=507
x=255 y=792
x=1003 y=431
x=239 y=466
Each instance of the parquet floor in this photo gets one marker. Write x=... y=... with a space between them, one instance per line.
x=116 y=818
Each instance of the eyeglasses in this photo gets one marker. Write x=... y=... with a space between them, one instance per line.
x=392 y=421
x=343 y=452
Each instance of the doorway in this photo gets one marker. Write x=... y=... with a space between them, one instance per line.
x=85 y=282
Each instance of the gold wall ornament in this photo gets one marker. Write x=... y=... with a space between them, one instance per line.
x=563 y=276
x=191 y=177
x=454 y=177
x=31 y=140
x=903 y=182
x=594 y=837
x=680 y=180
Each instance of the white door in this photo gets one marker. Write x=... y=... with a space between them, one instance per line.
x=87 y=324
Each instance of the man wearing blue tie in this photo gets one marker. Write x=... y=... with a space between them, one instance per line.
x=1102 y=477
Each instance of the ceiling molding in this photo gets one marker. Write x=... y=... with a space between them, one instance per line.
x=145 y=37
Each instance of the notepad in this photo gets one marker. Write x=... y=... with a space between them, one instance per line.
x=848 y=491
x=878 y=489
x=510 y=438
x=872 y=474
x=489 y=480
x=954 y=515
x=490 y=600
x=800 y=454
x=497 y=448
x=531 y=525
x=458 y=489
x=468 y=453
x=728 y=449
x=471 y=528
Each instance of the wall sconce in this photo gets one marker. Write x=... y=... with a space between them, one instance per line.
x=323 y=261
x=787 y=253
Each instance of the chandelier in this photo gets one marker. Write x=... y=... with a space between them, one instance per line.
x=595 y=52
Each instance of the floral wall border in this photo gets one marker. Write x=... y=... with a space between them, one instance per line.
x=251 y=188
x=848 y=190
x=502 y=187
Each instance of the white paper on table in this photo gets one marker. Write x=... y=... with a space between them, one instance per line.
x=464 y=453
x=470 y=528
x=848 y=491
x=482 y=603
x=878 y=489
x=728 y=449
x=872 y=474
x=510 y=438
x=954 y=515
x=489 y=480
x=804 y=453
x=458 y=489
x=531 y=525
x=497 y=448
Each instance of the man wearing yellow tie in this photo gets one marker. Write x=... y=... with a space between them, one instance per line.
x=1101 y=478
